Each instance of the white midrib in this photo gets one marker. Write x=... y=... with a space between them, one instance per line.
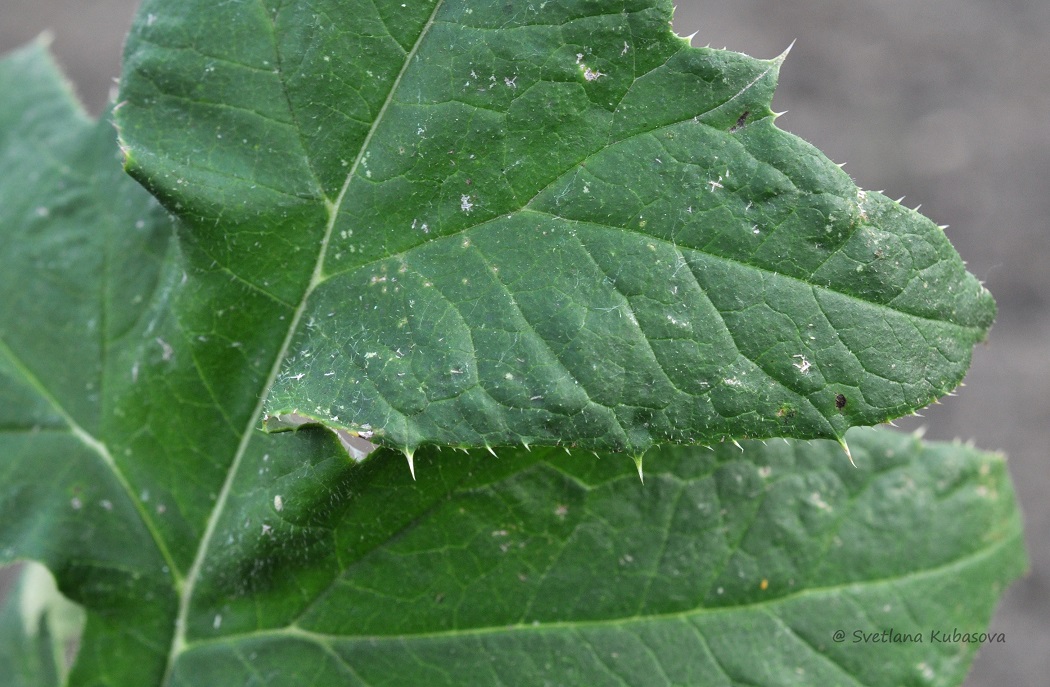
x=178 y=642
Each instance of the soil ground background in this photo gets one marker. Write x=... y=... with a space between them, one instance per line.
x=945 y=101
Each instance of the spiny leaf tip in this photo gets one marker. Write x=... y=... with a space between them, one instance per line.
x=845 y=447
x=409 y=456
x=638 y=463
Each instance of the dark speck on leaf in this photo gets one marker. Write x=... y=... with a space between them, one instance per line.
x=740 y=122
x=840 y=401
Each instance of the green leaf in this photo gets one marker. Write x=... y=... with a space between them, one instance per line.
x=492 y=223
x=137 y=351
x=38 y=630
x=83 y=251
x=726 y=567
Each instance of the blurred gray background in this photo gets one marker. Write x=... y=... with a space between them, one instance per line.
x=944 y=101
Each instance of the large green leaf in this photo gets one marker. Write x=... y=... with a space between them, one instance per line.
x=135 y=354
x=496 y=223
x=726 y=567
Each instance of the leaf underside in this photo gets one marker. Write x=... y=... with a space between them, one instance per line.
x=579 y=280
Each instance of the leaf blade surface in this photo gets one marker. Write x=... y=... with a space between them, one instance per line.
x=563 y=569
x=505 y=225
x=133 y=467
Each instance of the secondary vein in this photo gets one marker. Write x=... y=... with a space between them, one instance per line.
x=98 y=448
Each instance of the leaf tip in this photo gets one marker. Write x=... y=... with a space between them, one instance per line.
x=410 y=457
x=638 y=464
x=845 y=447
x=783 y=56
x=45 y=39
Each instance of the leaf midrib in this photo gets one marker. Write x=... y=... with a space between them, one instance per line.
x=178 y=643
x=945 y=568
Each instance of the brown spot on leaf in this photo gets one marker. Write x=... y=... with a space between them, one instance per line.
x=740 y=122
